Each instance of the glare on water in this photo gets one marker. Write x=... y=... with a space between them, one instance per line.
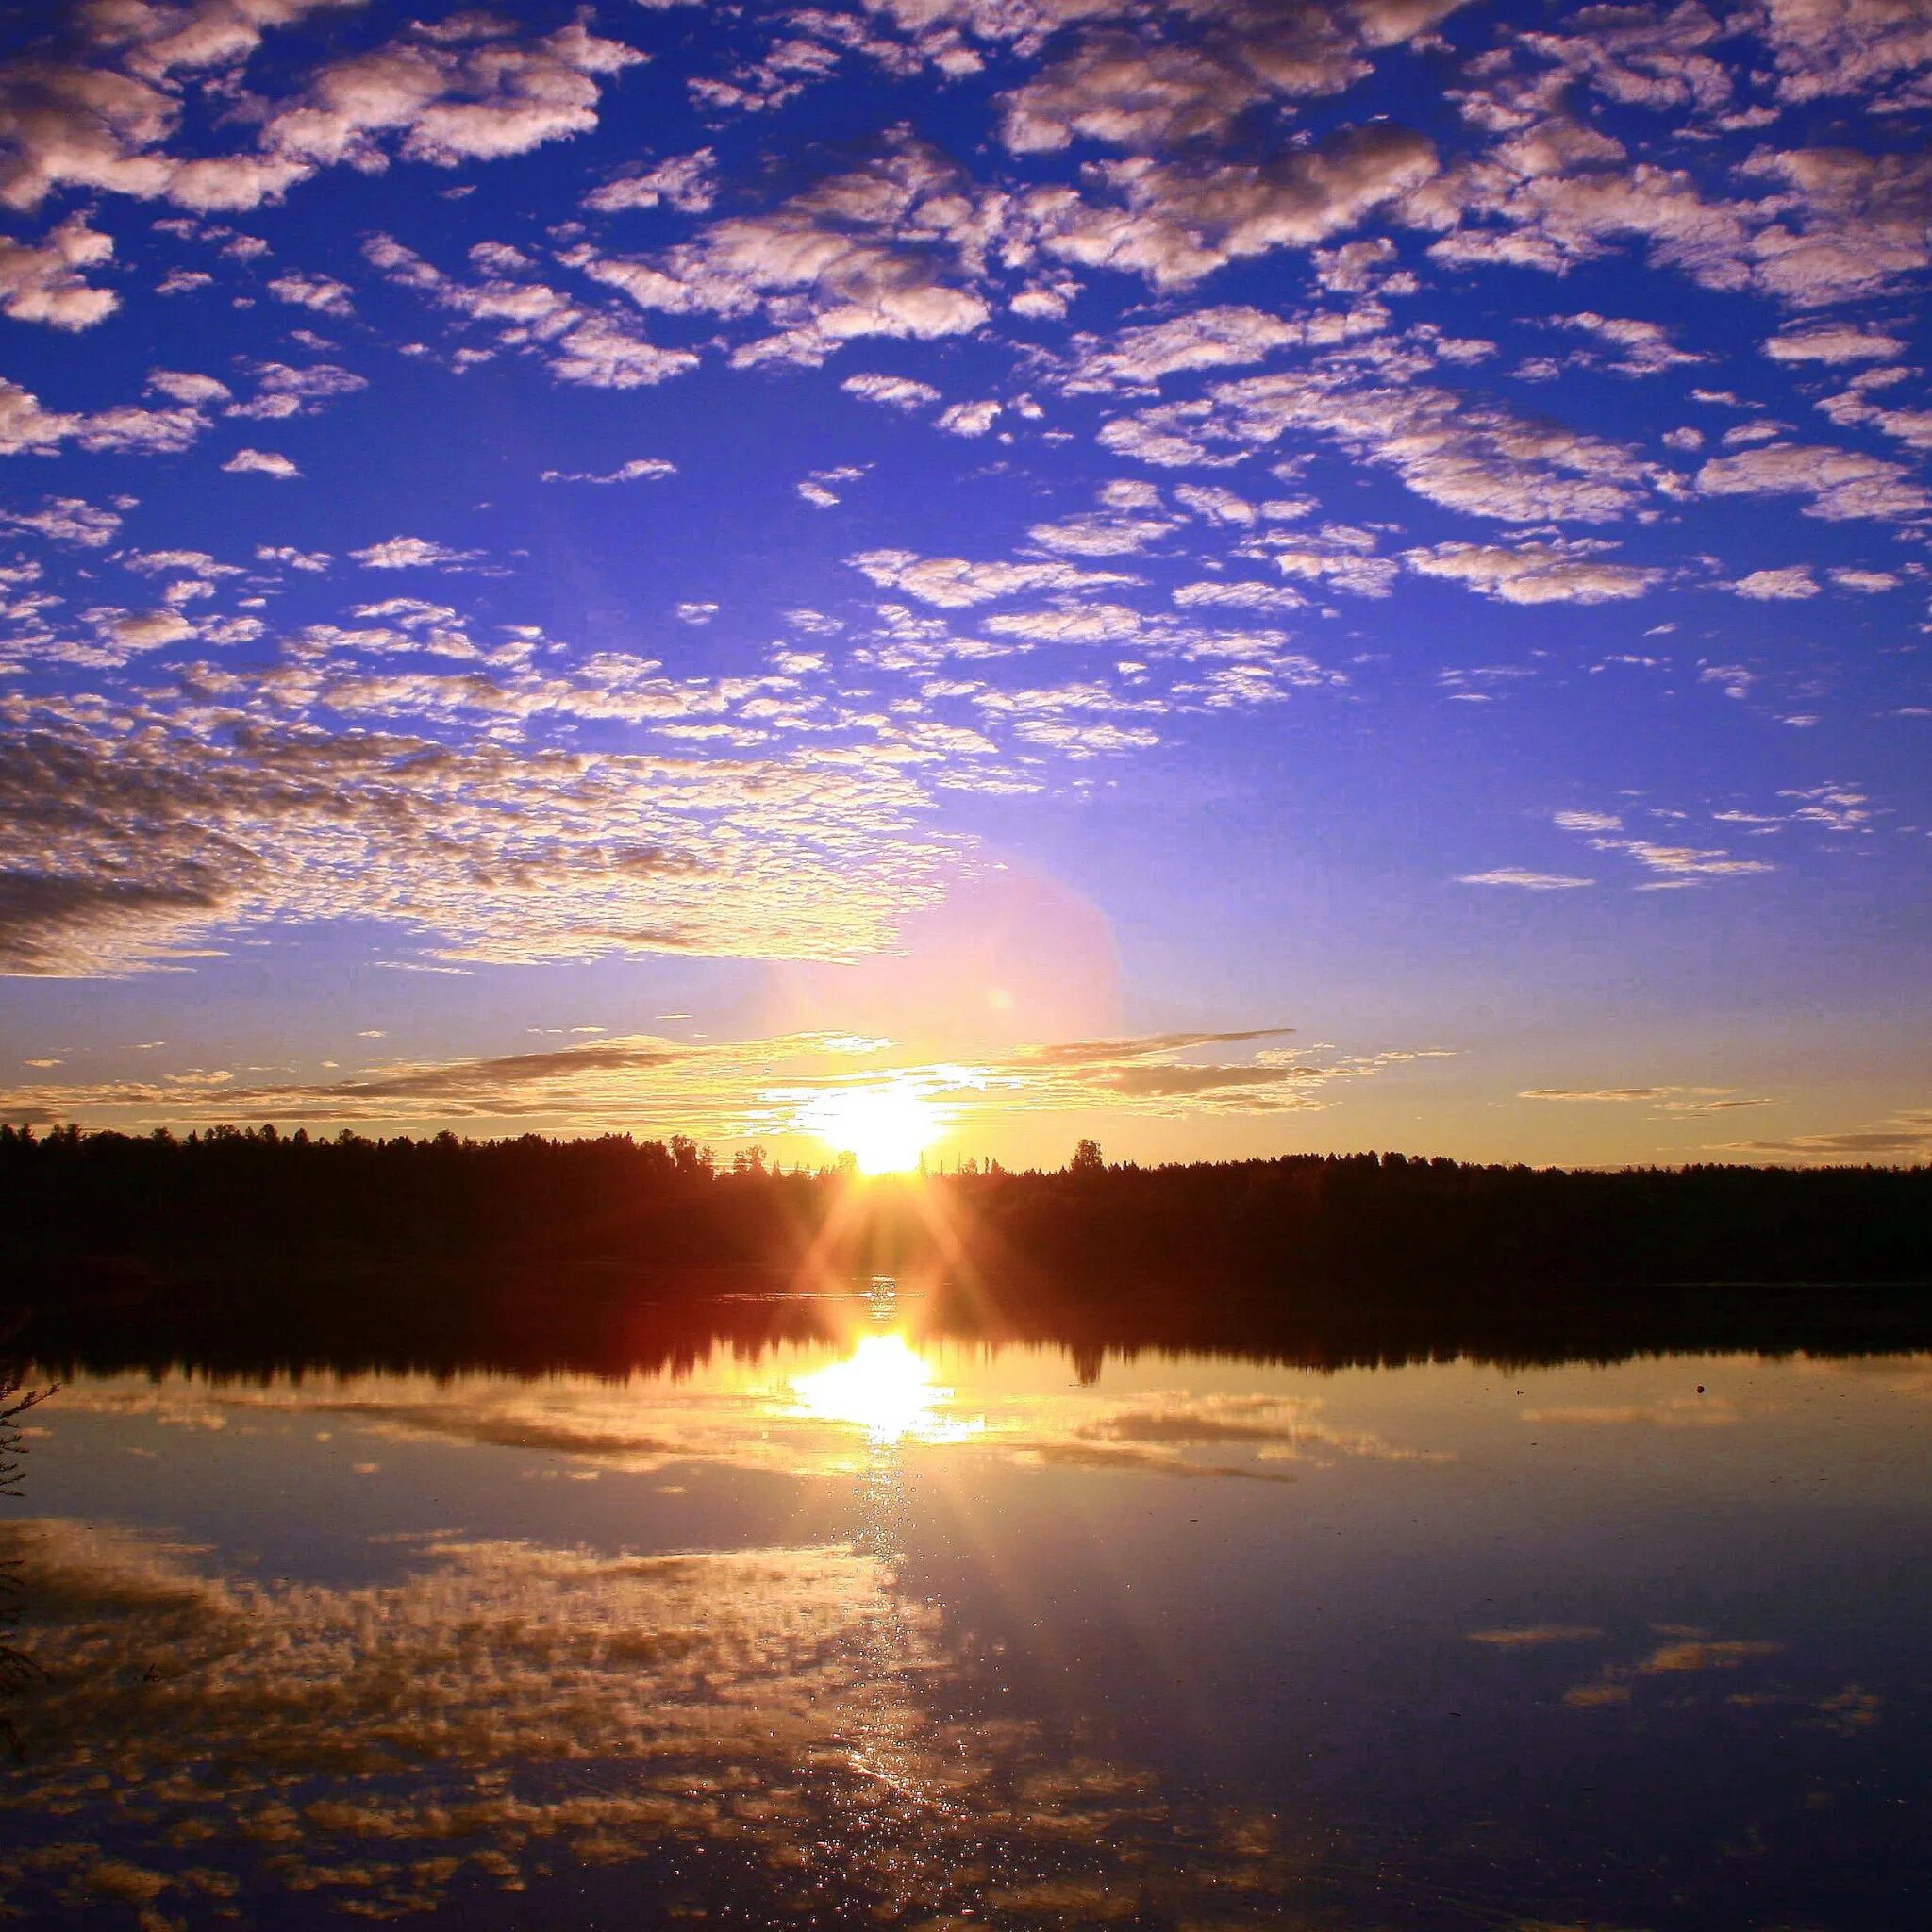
x=885 y=1387
x=883 y=1628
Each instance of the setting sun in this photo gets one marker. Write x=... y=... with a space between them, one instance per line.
x=884 y=1128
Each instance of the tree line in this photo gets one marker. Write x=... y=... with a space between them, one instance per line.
x=90 y=1208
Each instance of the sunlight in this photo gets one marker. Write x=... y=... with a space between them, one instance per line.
x=884 y=1128
x=885 y=1387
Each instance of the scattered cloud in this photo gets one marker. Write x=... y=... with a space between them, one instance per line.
x=260 y=462
x=412 y=552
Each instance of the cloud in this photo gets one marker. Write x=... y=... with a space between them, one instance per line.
x=460 y=93
x=1827 y=48
x=647 y=469
x=1465 y=454
x=590 y=348
x=1842 y=484
x=1670 y=1100
x=1534 y=573
x=311 y=561
x=283 y=390
x=1833 y=342
x=968 y=419
x=1906 y=1138
x=27 y=427
x=322 y=786
x=1639 y=348
x=323 y=294
x=412 y=552
x=1537 y=1636
x=180 y=386
x=1788 y=582
x=1130 y=518
x=894 y=391
x=1176 y=221
x=742 y=1089
x=1870 y=583
x=1682 y=864
x=1239 y=592
x=1206 y=337
x=1850 y=226
x=1136 y=87
x=1527 y=881
x=952 y=583
x=66 y=520
x=891 y=248
x=688 y=183
x=260 y=462
x=47 y=283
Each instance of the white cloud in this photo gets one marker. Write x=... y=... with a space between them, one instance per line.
x=1870 y=582
x=894 y=391
x=1534 y=573
x=283 y=390
x=1130 y=86
x=1824 y=48
x=323 y=294
x=197 y=392
x=888 y=249
x=309 y=560
x=968 y=419
x=408 y=552
x=1784 y=584
x=952 y=583
x=1239 y=592
x=1465 y=454
x=47 y=282
x=1833 y=342
x=27 y=427
x=688 y=183
x=260 y=462
x=1840 y=483
x=1176 y=221
x=645 y=469
x=1527 y=881
x=1639 y=348
x=66 y=520
x=464 y=91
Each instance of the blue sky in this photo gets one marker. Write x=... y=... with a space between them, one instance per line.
x=1233 y=576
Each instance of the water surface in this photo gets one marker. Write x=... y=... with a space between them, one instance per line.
x=879 y=1627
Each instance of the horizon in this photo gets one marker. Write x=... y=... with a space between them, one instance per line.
x=1234 y=581
x=754 y=1160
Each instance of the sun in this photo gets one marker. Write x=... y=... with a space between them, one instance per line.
x=884 y=1128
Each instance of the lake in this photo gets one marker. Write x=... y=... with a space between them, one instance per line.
x=864 y=1625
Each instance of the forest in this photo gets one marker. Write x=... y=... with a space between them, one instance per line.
x=552 y=1248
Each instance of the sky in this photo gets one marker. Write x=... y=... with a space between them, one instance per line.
x=1234 y=576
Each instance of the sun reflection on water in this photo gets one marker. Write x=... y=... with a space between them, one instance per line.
x=885 y=1387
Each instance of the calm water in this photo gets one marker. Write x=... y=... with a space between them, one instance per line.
x=875 y=1630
